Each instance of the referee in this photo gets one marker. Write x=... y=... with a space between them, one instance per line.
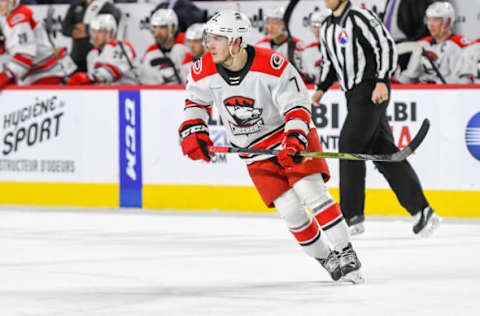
x=360 y=54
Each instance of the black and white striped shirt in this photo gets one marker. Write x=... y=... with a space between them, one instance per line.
x=356 y=47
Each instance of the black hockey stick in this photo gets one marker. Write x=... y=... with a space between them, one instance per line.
x=130 y=64
x=395 y=157
x=288 y=14
x=432 y=63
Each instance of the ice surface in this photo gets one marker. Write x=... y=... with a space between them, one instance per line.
x=121 y=262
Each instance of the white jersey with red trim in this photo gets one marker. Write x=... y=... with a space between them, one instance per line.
x=257 y=104
x=31 y=56
x=472 y=56
x=109 y=65
x=312 y=60
x=187 y=64
x=161 y=66
x=282 y=48
x=447 y=56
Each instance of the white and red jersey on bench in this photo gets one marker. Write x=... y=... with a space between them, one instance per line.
x=31 y=56
x=110 y=65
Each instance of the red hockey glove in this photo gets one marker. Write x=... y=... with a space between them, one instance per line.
x=80 y=78
x=195 y=139
x=293 y=142
x=4 y=79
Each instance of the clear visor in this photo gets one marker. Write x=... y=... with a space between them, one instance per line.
x=274 y=20
x=99 y=29
x=210 y=38
x=425 y=19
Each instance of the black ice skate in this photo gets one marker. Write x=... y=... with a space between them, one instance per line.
x=350 y=265
x=356 y=225
x=426 y=221
x=332 y=264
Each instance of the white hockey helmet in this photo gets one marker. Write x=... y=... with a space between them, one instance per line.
x=275 y=13
x=195 y=31
x=164 y=17
x=441 y=9
x=317 y=18
x=229 y=23
x=104 y=22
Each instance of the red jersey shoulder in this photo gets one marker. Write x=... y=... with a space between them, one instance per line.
x=461 y=41
x=150 y=49
x=426 y=39
x=112 y=43
x=203 y=67
x=263 y=41
x=180 y=39
x=22 y=14
x=188 y=58
x=269 y=62
x=299 y=44
x=129 y=45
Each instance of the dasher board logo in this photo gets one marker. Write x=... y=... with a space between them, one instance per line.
x=472 y=136
x=247 y=118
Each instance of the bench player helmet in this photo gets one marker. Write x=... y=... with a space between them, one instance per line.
x=195 y=31
x=275 y=13
x=442 y=10
x=164 y=17
x=104 y=22
x=317 y=18
x=229 y=23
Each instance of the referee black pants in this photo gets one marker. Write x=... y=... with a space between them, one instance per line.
x=366 y=130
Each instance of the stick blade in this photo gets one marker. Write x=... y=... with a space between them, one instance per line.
x=422 y=132
x=416 y=141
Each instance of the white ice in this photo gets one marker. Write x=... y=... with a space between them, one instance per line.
x=120 y=262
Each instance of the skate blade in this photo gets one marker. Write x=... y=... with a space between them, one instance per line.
x=355 y=232
x=354 y=277
x=432 y=225
x=357 y=229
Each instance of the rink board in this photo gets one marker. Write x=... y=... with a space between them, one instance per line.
x=59 y=147
x=449 y=172
x=118 y=146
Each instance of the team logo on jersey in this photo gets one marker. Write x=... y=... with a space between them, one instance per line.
x=276 y=61
x=343 y=37
x=247 y=118
x=197 y=66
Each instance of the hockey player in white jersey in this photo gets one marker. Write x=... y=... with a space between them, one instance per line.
x=31 y=59
x=279 y=40
x=162 y=61
x=472 y=58
x=110 y=61
x=264 y=104
x=312 y=54
x=439 y=57
x=194 y=43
